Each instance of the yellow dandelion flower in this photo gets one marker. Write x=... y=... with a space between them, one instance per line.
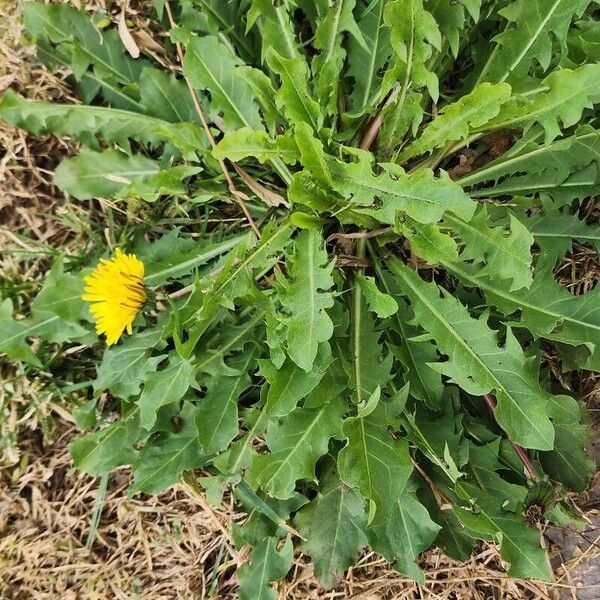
x=116 y=291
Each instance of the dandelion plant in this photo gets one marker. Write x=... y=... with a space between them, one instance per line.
x=334 y=292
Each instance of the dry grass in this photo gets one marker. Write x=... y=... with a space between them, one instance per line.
x=171 y=546
x=168 y=547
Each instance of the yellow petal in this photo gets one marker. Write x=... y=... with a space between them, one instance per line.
x=115 y=289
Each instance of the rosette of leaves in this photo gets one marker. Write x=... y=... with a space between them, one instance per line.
x=361 y=367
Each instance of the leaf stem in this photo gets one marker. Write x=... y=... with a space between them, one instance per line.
x=356 y=325
x=373 y=130
x=520 y=452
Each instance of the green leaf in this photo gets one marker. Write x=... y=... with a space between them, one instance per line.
x=305 y=296
x=267 y=517
x=293 y=97
x=365 y=60
x=479 y=364
x=428 y=241
x=420 y=195
x=275 y=336
x=165 y=387
x=235 y=280
x=84 y=122
x=333 y=525
x=266 y=564
x=126 y=366
x=167 y=182
x=57 y=313
x=399 y=116
x=86 y=414
x=502 y=251
x=210 y=66
x=382 y=304
x=13 y=340
x=405 y=534
x=276 y=28
x=582 y=43
x=415 y=354
x=224 y=19
x=217 y=414
x=332 y=384
x=327 y=65
x=264 y=92
x=167 y=455
x=529 y=37
x=227 y=339
x=375 y=463
x=238 y=457
x=82 y=43
x=547 y=309
x=439 y=436
x=456 y=120
x=239 y=144
x=295 y=444
x=60 y=297
x=414 y=37
x=312 y=154
x=556 y=232
x=564 y=95
x=289 y=384
x=172 y=257
x=165 y=97
x=304 y=190
x=569 y=462
x=529 y=156
x=93 y=174
x=579 y=185
x=369 y=369
x=519 y=544
x=452 y=21
x=484 y=463
x=530 y=167
x=100 y=452
x=451 y=539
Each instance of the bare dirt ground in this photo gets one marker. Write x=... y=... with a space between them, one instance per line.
x=174 y=546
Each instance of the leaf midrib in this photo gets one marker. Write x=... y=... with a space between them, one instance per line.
x=57 y=109
x=234 y=392
x=105 y=175
x=468 y=181
x=196 y=260
x=372 y=58
x=532 y=40
x=518 y=257
x=291 y=452
x=301 y=97
x=498 y=386
x=27 y=332
x=166 y=464
x=404 y=196
x=492 y=521
x=518 y=301
x=119 y=425
x=217 y=83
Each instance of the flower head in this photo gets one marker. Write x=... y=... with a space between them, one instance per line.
x=116 y=291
